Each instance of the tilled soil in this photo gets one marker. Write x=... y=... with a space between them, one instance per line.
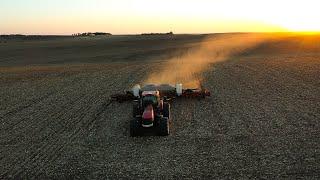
x=261 y=122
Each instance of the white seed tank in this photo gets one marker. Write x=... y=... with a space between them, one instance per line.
x=179 y=89
x=136 y=90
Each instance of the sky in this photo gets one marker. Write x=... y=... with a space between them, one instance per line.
x=143 y=16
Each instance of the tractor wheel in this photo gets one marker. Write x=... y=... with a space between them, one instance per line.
x=164 y=127
x=166 y=110
x=135 y=109
x=134 y=127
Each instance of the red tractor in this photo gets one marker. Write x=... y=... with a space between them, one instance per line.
x=150 y=111
x=151 y=108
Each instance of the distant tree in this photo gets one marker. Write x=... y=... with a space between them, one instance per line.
x=148 y=34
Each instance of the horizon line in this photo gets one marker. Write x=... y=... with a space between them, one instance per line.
x=163 y=33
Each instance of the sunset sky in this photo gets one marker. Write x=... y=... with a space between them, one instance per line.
x=140 y=16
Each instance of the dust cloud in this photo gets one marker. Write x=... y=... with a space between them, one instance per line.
x=187 y=69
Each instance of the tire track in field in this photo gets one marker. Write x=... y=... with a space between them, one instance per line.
x=61 y=120
x=92 y=118
x=39 y=127
x=56 y=115
x=65 y=89
x=25 y=130
x=34 y=102
x=29 y=104
x=25 y=127
x=71 y=136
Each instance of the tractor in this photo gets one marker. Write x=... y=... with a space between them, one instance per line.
x=150 y=111
x=151 y=108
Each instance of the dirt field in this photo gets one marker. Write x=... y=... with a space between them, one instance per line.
x=262 y=120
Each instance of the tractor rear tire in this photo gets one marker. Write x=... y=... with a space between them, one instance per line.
x=164 y=127
x=135 y=110
x=134 y=127
x=166 y=110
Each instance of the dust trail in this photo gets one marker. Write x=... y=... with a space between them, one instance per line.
x=187 y=69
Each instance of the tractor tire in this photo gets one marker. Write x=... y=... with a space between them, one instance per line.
x=134 y=128
x=164 y=127
x=166 y=110
x=135 y=110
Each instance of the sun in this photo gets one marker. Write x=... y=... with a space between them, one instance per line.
x=291 y=15
x=302 y=25
x=296 y=15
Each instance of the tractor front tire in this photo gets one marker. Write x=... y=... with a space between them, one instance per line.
x=166 y=110
x=164 y=127
x=134 y=127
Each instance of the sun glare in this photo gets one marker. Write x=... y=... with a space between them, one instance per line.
x=297 y=15
x=288 y=15
x=304 y=26
x=179 y=16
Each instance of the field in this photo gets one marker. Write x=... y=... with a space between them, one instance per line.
x=262 y=120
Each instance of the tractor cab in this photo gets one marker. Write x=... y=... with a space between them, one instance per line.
x=149 y=103
x=150 y=98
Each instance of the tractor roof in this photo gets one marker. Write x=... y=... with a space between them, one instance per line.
x=145 y=93
x=158 y=87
